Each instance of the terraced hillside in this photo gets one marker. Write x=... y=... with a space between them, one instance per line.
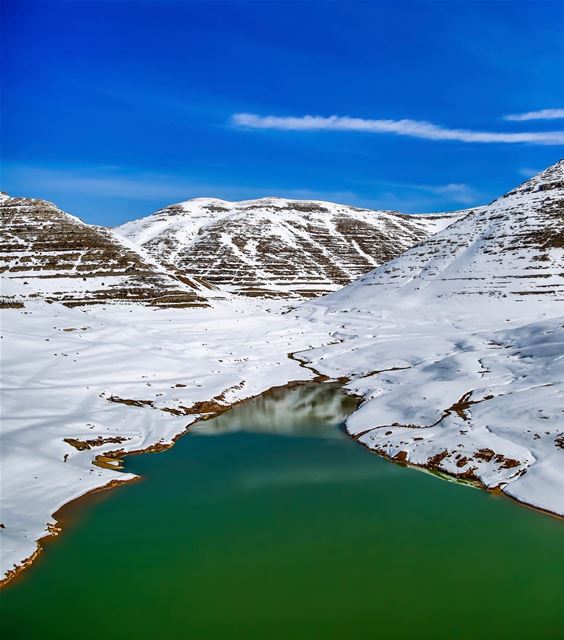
x=50 y=254
x=457 y=347
x=274 y=247
x=510 y=248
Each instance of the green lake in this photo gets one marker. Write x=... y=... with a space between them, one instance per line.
x=269 y=523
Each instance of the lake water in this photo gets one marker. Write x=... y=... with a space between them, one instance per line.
x=269 y=523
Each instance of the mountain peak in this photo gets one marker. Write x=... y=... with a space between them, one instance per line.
x=547 y=180
x=55 y=255
x=277 y=247
x=511 y=248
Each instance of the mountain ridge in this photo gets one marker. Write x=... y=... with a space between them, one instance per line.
x=457 y=348
x=277 y=247
x=460 y=372
x=512 y=246
x=57 y=256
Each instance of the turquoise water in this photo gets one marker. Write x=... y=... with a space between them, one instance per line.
x=269 y=523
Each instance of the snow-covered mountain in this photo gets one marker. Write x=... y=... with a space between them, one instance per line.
x=511 y=248
x=273 y=247
x=457 y=347
x=51 y=254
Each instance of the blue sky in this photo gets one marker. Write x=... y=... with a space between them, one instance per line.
x=113 y=109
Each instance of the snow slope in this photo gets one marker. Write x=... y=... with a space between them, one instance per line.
x=89 y=367
x=457 y=347
x=273 y=247
x=79 y=383
x=56 y=256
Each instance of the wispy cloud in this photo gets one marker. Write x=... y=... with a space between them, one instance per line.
x=87 y=190
x=455 y=192
x=412 y=197
x=528 y=172
x=405 y=127
x=542 y=114
x=458 y=192
x=111 y=181
x=107 y=180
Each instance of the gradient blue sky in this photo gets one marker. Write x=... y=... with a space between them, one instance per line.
x=112 y=109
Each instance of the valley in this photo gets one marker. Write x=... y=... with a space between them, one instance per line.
x=113 y=341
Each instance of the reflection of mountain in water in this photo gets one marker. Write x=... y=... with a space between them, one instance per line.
x=311 y=409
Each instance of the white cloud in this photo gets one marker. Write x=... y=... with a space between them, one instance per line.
x=405 y=127
x=111 y=181
x=86 y=190
x=528 y=172
x=101 y=180
x=461 y=193
x=453 y=191
x=542 y=114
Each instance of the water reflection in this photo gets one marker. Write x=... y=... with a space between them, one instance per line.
x=326 y=475
x=311 y=409
x=255 y=536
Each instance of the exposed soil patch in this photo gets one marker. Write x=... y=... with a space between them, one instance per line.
x=83 y=445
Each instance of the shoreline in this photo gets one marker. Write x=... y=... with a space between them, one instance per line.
x=59 y=515
x=57 y=528
x=435 y=471
x=475 y=483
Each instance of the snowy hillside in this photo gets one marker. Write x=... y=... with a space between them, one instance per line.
x=458 y=347
x=56 y=256
x=79 y=384
x=511 y=248
x=274 y=247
